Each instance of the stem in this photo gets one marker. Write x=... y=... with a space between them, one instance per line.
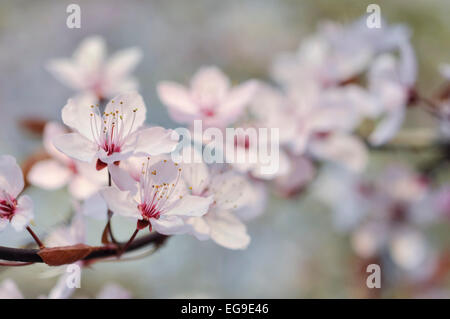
x=36 y=238
x=108 y=229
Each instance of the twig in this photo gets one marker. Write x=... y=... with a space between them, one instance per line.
x=99 y=252
x=35 y=237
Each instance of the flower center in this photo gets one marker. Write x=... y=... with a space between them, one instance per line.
x=108 y=130
x=155 y=194
x=7 y=207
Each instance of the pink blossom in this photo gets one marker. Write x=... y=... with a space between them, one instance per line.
x=210 y=98
x=230 y=192
x=158 y=199
x=114 y=135
x=89 y=71
x=83 y=179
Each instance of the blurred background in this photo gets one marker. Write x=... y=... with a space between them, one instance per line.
x=295 y=250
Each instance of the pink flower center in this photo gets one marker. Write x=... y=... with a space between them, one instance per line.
x=7 y=207
x=110 y=134
x=155 y=194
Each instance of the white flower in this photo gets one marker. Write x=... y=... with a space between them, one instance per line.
x=114 y=135
x=209 y=98
x=13 y=209
x=230 y=192
x=88 y=69
x=158 y=199
x=83 y=179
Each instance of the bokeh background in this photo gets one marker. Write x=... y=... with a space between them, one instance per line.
x=295 y=250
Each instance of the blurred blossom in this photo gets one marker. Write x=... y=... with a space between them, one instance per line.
x=383 y=213
x=301 y=172
x=336 y=53
x=89 y=71
x=210 y=98
x=83 y=178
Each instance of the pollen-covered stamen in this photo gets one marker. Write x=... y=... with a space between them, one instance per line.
x=155 y=196
x=110 y=134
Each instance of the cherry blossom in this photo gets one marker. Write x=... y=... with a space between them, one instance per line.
x=89 y=70
x=83 y=179
x=14 y=209
x=380 y=213
x=230 y=192
x=158 y=199
x=336 y=53
x=325 y=120
x=210 y=98
x=114 y=135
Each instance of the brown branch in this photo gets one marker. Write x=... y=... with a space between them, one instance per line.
x=97 y=252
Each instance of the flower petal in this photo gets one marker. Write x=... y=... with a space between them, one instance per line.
x=122 y=179
x=200 y=228
x=49 y=174
x=67 y=72
x=388 y=127
x=155 y=141
x=51 y=130
x=121 y=203
x=90 y=54
x=80 y=115
x=236 y=100
x=122 y=63
x=209 y=85
x=345 y=150
x=11 y=176
x=228 y=231
x=132 y=111
x=76 y=146
x=170 y=225
x=81 y=187
x=177 y=98
x=190 y=205
x=24 y=213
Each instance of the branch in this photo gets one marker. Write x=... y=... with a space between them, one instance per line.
x=96 y=252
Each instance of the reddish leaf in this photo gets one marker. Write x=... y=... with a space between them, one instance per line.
x=64 y=255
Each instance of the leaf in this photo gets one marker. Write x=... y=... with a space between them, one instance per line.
x=64 y=255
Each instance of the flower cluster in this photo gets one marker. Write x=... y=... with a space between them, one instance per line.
x=320 y=100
